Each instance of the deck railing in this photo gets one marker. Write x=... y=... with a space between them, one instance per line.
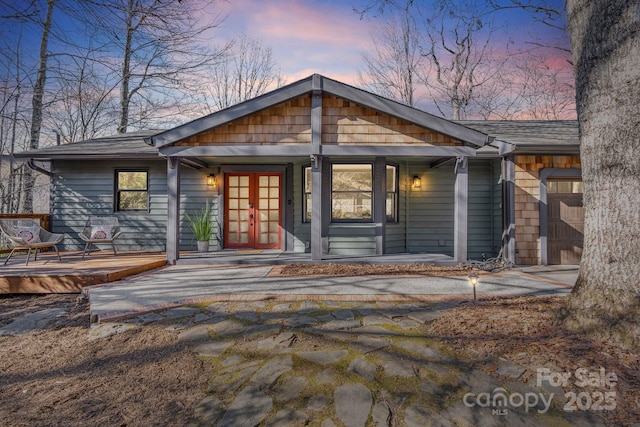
x=45 y=222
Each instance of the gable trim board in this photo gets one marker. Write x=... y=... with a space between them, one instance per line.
x=468 y=206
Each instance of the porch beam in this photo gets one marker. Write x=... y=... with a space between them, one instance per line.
x=397 y=150
x=195 y=163
x=442 y=162
x=460 y=209
x=173 y=209
x=303 y=150
x=239 y=150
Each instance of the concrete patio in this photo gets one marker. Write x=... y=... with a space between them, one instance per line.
x=178 y=285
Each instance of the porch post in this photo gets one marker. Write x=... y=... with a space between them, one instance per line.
x=379 y=201
x=509 y=209
x=317 y=220
x=173 y=209
x=318 y=167
x=460 y=210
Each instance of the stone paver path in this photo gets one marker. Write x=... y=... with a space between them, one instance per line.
x=328 y=363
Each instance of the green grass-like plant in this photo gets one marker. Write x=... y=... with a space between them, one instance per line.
x=200 y=223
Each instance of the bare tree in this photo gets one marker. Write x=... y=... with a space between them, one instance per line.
x=392 y=69
x=529 y=87
x=460 y=52
x=156 y=46
x=36 y=105
x=84 y=104
x=247 y=70
x=605 y=40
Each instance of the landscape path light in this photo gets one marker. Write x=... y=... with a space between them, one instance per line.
x=473 y=279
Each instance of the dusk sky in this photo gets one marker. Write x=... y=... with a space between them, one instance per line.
x=328 y=37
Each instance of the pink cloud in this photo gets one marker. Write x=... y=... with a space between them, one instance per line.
x=306 y=37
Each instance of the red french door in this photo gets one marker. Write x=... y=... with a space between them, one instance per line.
x=253 y=217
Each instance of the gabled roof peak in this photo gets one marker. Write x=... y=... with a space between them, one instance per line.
x=313 y=83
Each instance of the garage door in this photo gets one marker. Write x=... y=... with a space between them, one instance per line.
x=565 y=221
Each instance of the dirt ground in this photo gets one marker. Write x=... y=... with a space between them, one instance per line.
x=57 y=377
x=368 y=269
x=143 y=377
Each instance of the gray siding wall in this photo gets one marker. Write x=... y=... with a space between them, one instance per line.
x=82 y=189
x=481 y=232
x=430 y=209
x=496 y=178
x=352 y=239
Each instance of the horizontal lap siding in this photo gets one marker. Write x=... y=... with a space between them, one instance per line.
x=84 y=189
x=430 y=210
x=481 y=210
x=352 y=239
x=497 y=206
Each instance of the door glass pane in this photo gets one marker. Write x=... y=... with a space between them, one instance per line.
x=233 y=181
x=244 y=238
x=233 y=192
x=263 y=239
x=273 y=238
x=264 y=192
x=264 y=181
x=577 y=187
x=244 y=193
x=274 y=181
x=274 y=192
x=273 y=215
x=244 y=181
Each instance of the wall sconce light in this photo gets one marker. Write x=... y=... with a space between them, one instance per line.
x=416 y=183
x=473 y=279
x=211 y=180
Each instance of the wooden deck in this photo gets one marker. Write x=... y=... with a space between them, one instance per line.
x=48 y=275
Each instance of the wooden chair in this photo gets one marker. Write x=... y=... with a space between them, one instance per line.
x=100 y=229
x=26 y=234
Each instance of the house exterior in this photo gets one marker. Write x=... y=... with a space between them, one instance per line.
x=322 y=167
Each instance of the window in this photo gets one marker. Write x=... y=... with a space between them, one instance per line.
x=391 y=203
x=306 y=194
x=132 y=190
x=351 y=192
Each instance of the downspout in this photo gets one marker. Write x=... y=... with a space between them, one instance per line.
x=37 y=168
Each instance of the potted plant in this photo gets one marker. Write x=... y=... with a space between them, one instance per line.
x=201 y=225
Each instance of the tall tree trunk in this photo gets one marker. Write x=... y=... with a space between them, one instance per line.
x=605 y=37
x=36 y=107
x=125 y=96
